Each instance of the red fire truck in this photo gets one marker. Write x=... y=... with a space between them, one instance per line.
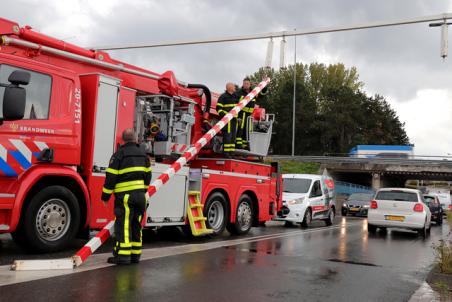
x=64 y=109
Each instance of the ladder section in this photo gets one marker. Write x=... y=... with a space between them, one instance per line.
x=196 y=216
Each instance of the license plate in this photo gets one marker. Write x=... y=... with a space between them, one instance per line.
x=354 y=209
x=395 y=218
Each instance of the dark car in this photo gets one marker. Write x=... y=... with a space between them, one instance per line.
x=357 y=204
x=435 y=208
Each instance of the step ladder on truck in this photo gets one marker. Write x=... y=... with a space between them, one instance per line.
x=57 y=145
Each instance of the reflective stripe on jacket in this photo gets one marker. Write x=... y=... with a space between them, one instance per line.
x=129 y=169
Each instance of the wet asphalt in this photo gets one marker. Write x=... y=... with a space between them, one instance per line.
x=342 y=263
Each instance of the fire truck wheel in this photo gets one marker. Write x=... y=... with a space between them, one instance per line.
x=19 y=237
x=244 y=217
x=51 y=219
x=216 y=210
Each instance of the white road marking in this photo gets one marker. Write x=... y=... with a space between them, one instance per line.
x=98 y=261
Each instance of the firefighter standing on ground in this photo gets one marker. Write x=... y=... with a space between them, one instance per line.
x=247 y=111
x=128 y=177
x=225 y=103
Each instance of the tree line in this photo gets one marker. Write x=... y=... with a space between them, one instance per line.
x=333 y=113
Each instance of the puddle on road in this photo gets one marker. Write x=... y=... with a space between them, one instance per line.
x=260 y=248
x=327 y=274
x=352 y=262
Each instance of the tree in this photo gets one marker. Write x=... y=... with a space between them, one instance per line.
x=333 y=114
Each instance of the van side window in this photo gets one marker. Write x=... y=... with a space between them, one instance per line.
x=316 y=189
x=38 y=92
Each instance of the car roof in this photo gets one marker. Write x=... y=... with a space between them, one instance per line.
x=400 y=189
x=308 y=176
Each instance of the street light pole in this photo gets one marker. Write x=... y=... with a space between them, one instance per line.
x=294 y=93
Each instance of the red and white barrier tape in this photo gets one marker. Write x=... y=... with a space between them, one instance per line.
x=103 y=235
x=93 y=244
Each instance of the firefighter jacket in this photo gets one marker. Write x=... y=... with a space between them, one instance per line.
x=226 y=102
x=129 y=170
x=249 y=108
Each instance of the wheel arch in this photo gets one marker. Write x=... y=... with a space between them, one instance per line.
x=255 y=204
x=42 y=177
x=224 y=193
x=333 y=207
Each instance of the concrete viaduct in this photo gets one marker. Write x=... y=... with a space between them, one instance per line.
x=379 y=172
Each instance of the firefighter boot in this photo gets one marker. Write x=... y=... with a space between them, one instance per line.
x=135 y=258
x=119 y=260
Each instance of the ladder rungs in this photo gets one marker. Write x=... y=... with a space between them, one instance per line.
x=199 y=218
x=195 y=205
x=205 y=231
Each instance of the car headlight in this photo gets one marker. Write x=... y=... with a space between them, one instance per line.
x=366 y=206
x=344 y=205
x=296 y=201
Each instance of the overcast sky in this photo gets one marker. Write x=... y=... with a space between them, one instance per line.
x=401 y=63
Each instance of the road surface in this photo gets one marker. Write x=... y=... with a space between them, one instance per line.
x=338 y=263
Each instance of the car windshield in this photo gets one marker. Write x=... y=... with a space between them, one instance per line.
x=296 y=185
x=429 y=199
x=397 y=196
x=360 y=196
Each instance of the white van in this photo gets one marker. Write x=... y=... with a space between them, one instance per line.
x=307 y=197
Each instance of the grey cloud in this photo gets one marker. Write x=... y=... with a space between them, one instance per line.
x=395 y=62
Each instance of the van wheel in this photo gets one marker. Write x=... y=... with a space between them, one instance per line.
x=244 y=217
x=51 y=219
x=439 y=221
x=307 y=219
x=330 y=220
x=371 y=228
x=216 y=211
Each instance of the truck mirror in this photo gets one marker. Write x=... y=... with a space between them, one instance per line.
x=14 y=97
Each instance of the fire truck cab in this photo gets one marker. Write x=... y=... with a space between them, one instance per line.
x=64 y=109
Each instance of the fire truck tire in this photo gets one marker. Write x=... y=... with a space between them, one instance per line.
x=19 y=237
x=244 y=217
x=216 y=210
x=51 y=219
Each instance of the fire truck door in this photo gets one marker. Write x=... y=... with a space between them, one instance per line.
x=104 y=139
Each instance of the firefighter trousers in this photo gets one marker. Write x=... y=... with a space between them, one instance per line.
x=129 y=210
x=229 y=134
x=242 y=131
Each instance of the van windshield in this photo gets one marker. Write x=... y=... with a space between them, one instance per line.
x=397 y=196
x=296 y=185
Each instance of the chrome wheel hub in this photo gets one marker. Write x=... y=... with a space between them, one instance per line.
x=244 y=216
x=215 y=215
x=53 y=219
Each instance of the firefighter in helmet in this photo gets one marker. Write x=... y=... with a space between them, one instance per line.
x=128 y=177
x=225 y=103
x=247 y=111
